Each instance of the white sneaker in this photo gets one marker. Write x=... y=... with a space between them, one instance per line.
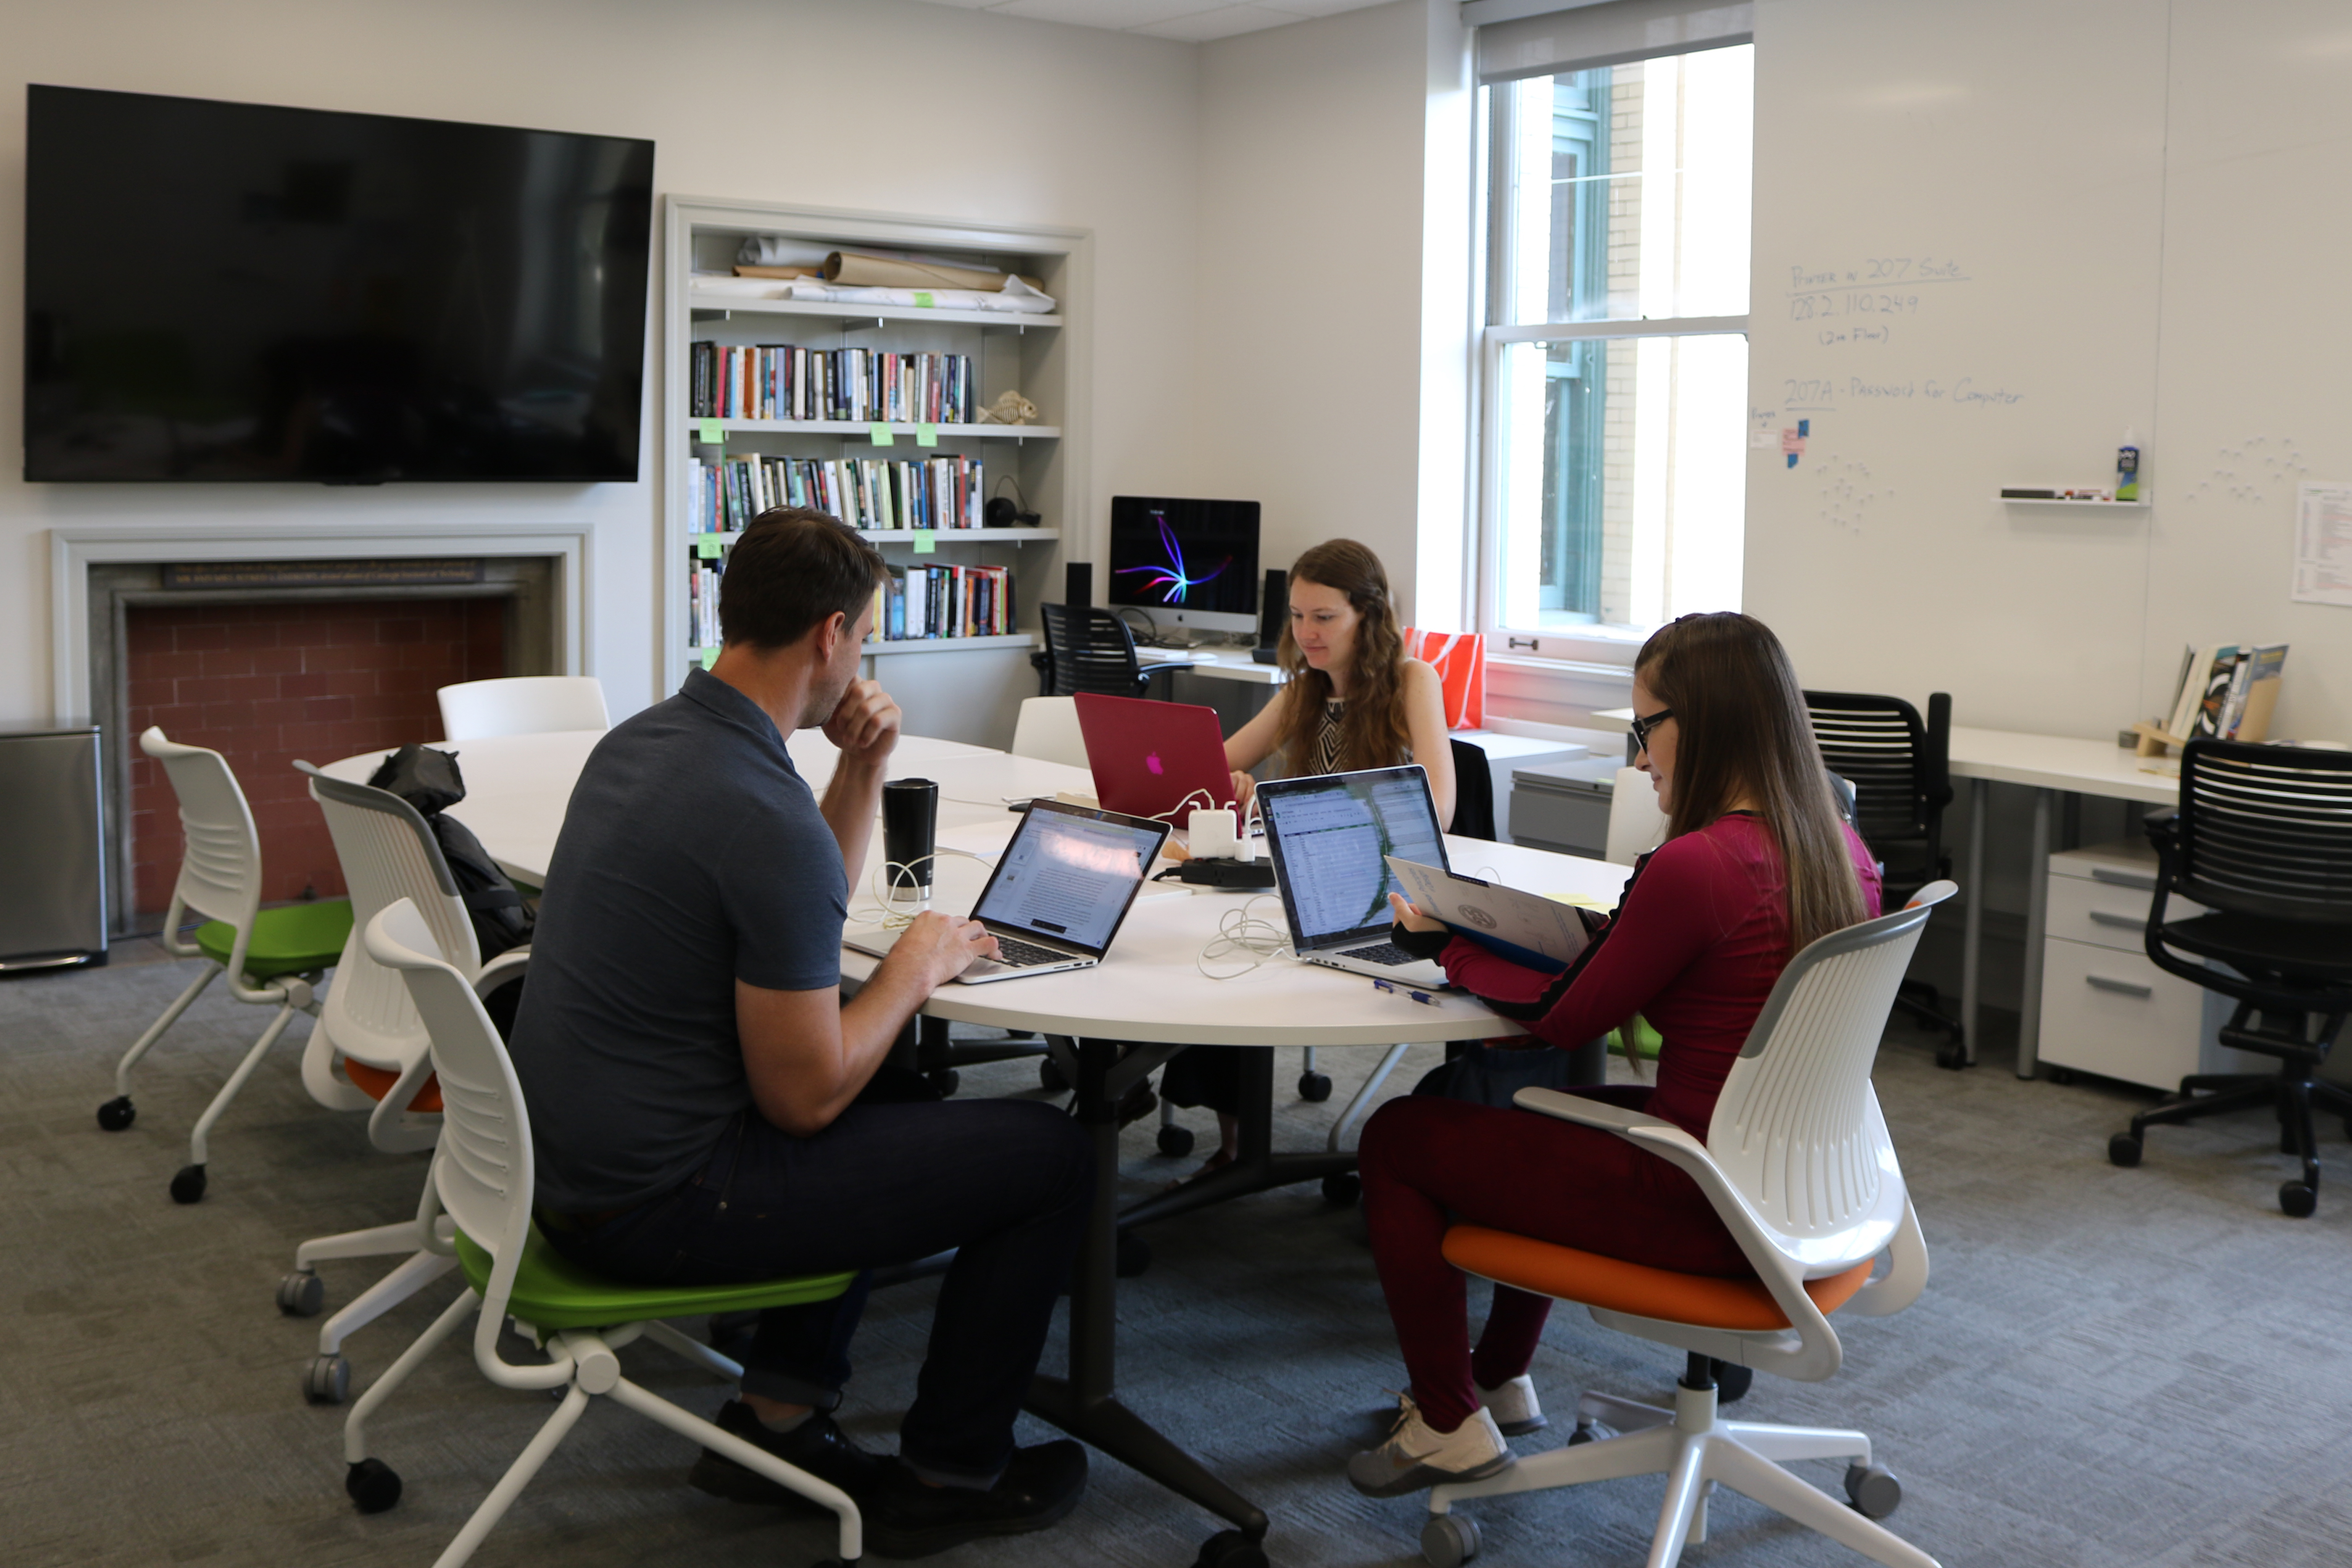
x=1514 y=1406
x=1415 y=1456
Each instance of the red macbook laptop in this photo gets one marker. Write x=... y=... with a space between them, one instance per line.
x=1148 y=757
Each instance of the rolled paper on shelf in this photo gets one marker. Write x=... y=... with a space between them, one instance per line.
x=862 y=269
x=742 y=270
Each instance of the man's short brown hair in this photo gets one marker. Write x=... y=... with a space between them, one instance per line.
x=792 y=569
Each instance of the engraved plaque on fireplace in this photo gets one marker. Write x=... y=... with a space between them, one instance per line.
x=403 y=571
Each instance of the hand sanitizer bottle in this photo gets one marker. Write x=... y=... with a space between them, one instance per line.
x=2128 y=470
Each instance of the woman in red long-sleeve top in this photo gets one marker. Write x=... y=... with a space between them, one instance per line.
x=1756 y=864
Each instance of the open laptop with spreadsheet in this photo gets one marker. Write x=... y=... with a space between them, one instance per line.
x=1060 y=891
x=1328 y=837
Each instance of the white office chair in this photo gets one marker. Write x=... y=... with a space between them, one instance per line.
x=1048 y=731
x=370 y=1052
x=274 y=958
x=482 y=1175
x=1798 y=1163
x=521 y=705
x=1637 y=825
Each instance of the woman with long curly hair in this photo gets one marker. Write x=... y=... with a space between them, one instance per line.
x=1353 y=700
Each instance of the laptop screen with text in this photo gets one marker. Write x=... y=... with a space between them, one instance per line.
x=1333 y=834
x=1070 y=875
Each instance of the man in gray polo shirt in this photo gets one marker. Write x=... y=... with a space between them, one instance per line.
x=696 y=1079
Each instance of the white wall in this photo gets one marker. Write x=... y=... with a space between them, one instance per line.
x=766 y=100
x=1331 y=353
x=2141 y=193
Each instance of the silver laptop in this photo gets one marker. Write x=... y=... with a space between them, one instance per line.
x=1328 y=837
x=1060 y=891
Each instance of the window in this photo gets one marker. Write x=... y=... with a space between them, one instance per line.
x=1615 y=361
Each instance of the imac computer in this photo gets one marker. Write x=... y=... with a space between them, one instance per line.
x=1188 y=564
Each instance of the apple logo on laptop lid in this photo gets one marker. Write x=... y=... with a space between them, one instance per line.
x=1151 y=761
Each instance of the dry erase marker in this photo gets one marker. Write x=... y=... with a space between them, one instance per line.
x=1393 y=989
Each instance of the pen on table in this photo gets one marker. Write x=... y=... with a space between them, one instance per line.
x=1393 y=989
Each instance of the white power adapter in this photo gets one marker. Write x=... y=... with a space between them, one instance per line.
x=1212 y=836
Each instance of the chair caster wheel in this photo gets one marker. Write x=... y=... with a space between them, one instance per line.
x=2123 y=1148
x=373 y=1485
x=1732 y=1381
x=301 y=1294
x=1315 y=1087
x=1952 y=1057
x=1175 y=1142
x=188 y=1187
x=1230 y=1548
x=1134 y=1255
x=944 y=1082
x=117 y=1113
x=327 y=1381
x=1051 y=1077
x=2296 y=1200
x=1449 y=1540
x=1873 y=1490
x=1342 y=1188
x=1591 y=1432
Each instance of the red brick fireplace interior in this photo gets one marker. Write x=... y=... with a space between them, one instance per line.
x=264 y=683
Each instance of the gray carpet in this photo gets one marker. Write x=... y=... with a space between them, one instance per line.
x=2108 y=1367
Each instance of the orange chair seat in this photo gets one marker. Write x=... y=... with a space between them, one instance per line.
x=375 y=1083
x=1616 y=1286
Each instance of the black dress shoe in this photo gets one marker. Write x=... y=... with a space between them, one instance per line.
x=907 y=1518
x=817 y=1446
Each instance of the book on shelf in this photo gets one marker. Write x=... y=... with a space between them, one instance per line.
x=702 y=604
x=944 y=492
x=2227 y=690
x=783 y=381
x=924 y=602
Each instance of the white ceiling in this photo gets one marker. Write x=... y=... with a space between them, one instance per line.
x=1192 y=21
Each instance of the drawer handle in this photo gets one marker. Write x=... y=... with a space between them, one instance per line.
x=2145 y=883
x=2123 y=987
x=2127 y=922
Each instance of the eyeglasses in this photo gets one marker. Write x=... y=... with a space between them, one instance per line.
x=1644 y=728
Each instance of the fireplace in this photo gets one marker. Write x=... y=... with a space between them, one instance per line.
x=287 y=646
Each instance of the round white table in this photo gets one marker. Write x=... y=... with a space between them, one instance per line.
x=1144 y=1002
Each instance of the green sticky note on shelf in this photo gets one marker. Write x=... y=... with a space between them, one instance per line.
x=709 y=546
x=710 y=434
x=709 y=656
x=927 y=542
x=923 y=298
x=879 y=433
x=926 y=434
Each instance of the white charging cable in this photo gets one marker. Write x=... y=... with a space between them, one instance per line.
x=892 y=875
x=1239 y=931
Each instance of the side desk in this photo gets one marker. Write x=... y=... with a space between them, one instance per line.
x=2050 y=765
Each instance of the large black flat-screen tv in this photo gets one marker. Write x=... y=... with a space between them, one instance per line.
x=232 y=291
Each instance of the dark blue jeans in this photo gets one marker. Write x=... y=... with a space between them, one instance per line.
x=1008 y=1184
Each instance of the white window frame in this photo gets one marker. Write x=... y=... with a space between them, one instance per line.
x=1598 y=648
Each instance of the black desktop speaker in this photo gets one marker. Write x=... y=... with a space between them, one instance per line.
x=1274 y=610
x=1077 y=583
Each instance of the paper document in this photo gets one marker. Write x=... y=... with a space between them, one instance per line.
x=1525 y=927
x=2323 y=544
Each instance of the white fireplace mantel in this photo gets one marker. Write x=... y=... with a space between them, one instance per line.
x=74 y=551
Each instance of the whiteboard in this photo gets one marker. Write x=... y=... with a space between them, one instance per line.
x=1990 y=239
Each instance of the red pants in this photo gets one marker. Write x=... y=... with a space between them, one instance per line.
x=1427 y=1163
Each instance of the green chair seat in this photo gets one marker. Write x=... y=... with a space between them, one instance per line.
x=551 y=1291
x=295 y=940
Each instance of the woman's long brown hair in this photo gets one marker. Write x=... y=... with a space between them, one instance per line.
x=1741 y=728
x=1373 y=733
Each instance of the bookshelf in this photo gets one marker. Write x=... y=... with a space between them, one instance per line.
x=965 y=688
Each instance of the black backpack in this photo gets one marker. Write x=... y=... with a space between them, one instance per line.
x=429 y=781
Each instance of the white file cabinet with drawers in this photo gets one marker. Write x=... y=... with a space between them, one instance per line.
x=2105 y=1008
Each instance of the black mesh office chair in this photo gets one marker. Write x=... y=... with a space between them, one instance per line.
x=2262 y=839
x=1900 y=770
x=1090 y=649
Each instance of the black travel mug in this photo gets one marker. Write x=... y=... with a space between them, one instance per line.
x=911 y=821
